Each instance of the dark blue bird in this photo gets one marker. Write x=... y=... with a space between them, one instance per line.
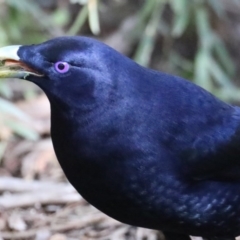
x=146 y=148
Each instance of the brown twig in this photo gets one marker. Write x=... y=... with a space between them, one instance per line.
x=11 y=184
x=32 y=192
x=32 y=198
x=71 y=225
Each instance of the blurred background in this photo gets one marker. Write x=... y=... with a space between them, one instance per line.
x=196 y=39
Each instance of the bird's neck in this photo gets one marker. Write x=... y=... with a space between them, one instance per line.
x=82 y=145
x=80 y=126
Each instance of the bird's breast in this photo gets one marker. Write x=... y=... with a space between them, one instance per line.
x=137 y=182
x=112 y=171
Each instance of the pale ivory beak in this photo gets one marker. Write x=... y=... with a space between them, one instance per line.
x=11 y=66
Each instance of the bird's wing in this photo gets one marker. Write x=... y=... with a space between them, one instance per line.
x=200 y=129
x=215 y=151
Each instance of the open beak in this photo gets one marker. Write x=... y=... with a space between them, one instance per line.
x=11 y=66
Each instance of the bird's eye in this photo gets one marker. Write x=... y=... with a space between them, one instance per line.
x=61 y=67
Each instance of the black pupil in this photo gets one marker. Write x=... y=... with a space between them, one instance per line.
x=61 y=66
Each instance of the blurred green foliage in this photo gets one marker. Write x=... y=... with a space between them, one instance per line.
x=162 y=26
x=211 y=67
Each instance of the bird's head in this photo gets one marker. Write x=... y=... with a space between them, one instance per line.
x=68 y=69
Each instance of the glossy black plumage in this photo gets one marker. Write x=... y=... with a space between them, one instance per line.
x=147 y=148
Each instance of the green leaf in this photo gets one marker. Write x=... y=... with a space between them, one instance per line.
x=223 y=56
x=21 y=129
x=31 y=8
x=93 y=16
x=7 y=107
x=180 y=62
x=218 y=74
x=79 y=22
x=202 y=75
x=218 y=7
x=5 y=90
x=146 y=45
x=203 y=26
x=181 y=10
x=147 y=10
x=60 y=17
